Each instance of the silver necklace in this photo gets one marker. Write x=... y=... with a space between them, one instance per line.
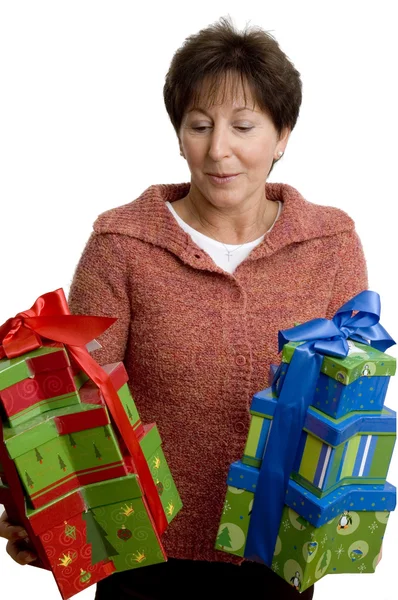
x=228 y=252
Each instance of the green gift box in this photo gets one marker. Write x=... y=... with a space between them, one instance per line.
x=341 y=533
x=63 y=449
x=91 y=394
x=150 y=443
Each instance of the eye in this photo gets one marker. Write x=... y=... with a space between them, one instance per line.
x=203 y=128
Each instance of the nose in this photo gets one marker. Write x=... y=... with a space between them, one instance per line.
x=220 y=143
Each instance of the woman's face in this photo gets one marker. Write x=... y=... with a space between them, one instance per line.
x=230 y=139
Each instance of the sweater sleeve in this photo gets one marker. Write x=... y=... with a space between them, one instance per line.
x=351 y=275
x=100 y=288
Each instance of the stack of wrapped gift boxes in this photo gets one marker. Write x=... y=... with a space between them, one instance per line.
x=337 y=502
x=84 y=504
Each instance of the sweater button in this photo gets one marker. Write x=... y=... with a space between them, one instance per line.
x=240 y=360
x=236 y=296
x=239 y=427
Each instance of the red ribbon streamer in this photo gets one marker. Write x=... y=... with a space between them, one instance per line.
x=50 y=318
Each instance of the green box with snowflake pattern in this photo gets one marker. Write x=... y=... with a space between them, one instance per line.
x=342 y=537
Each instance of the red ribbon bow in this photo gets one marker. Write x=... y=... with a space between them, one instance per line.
x=50 y=318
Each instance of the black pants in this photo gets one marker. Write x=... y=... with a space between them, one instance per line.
x=187 y=580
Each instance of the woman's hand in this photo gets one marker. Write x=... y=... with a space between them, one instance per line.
x=18 y=541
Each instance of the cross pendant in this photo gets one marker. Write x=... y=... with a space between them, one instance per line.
x=228 y=253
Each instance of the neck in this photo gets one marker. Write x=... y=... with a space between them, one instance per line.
x=230 y=225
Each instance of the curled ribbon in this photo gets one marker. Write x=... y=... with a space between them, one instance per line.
x=50 y=319
x=322 y=337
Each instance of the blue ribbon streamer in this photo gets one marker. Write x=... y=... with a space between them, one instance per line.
x=322 y=337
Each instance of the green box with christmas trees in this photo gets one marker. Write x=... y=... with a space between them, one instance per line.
x=62 y=450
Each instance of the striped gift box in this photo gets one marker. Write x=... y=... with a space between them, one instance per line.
x=261 y=410
x=351 y=450
x=354 y=449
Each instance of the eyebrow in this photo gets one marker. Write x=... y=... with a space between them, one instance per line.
x=199 y=109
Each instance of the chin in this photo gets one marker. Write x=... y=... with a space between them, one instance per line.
x=233 y=194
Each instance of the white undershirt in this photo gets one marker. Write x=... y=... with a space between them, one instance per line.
x=216 y=250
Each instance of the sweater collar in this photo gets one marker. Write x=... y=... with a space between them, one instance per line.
x=148 y=219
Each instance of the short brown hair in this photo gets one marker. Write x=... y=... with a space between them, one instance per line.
x=254 y=56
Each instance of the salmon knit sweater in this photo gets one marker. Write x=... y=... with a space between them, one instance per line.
x=197 y=342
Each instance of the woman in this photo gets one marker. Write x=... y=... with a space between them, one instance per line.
x=201 y=277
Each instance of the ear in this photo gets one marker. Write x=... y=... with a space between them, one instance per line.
x=283 y=140
x=180 y=146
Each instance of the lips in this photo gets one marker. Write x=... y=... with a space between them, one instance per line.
x=222 y=179
x=223 y=174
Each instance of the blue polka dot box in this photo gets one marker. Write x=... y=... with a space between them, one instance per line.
x=358 y=382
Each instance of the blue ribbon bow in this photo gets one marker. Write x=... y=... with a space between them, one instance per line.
x=322 y=337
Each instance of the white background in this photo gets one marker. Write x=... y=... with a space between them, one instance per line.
x=83 y=128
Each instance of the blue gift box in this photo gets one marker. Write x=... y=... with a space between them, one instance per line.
x=358 y=382
x=319 y=511
x=354 y=449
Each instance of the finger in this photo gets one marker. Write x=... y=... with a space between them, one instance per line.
x=7 y=530
x=22 y=557
x=12 y=532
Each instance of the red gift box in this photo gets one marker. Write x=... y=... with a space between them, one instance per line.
x=51 y=377
x=62 y=532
